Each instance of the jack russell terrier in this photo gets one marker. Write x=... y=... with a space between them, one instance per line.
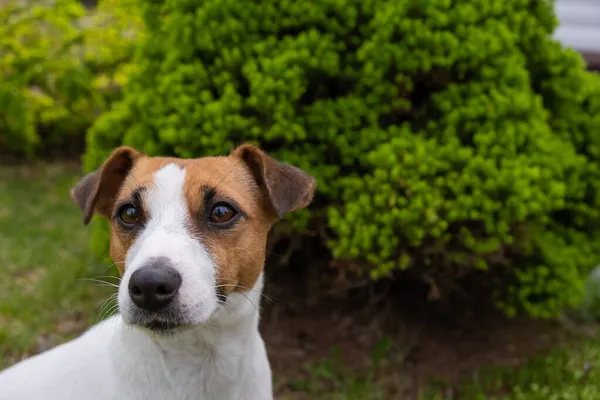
x=189 y=238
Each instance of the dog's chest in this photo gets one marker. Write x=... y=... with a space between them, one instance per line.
x=184 y=372
x=205 y=374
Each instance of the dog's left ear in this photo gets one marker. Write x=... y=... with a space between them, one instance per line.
x=287 y=187
x=97 y=190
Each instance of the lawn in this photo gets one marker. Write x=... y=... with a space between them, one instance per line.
x=44 y=259
x=46 y=297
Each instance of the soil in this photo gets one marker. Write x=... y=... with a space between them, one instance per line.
x=430 y=341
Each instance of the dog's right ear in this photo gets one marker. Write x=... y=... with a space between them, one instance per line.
x=97 y=190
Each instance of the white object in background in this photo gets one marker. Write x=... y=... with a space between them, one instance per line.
x=579 y=24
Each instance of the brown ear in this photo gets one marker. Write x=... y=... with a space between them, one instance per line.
x=97 y=190
x=288 y=188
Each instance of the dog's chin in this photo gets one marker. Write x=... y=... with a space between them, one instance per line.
x=163 y=325
x=164 y=328
x=169 y=321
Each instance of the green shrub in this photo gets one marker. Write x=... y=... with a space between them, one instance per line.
x=59 y=65
x=446 y=136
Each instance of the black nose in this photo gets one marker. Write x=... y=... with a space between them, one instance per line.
x=154 y=286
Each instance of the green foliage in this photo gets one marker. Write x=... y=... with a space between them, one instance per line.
x=60 y=66
x=447 y=136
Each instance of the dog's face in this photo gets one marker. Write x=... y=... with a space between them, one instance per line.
x=187 y=233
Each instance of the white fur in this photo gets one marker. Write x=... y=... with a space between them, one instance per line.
x=222 y=357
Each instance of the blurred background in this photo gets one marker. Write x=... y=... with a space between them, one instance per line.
x=451 y=248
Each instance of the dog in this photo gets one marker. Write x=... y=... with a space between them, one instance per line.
x=189 y=239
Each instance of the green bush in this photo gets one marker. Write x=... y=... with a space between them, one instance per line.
x=60 y=66
x=446 y=136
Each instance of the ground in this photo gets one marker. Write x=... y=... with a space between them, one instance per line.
x=338 y=349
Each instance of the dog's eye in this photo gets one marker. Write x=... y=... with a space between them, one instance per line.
x=222 y=213
x=128 y=215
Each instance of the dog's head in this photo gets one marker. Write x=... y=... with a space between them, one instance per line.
x=188 y=233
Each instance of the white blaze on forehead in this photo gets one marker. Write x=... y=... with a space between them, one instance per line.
x=167 y=213
x=165 y=201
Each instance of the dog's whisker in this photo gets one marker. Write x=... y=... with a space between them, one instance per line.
x=251 y=302
x=109 y=303
x=247 y=289
x=111 y=310
x=105 y=285
x=100 y=281
x=106 y=307
x=116 y=263
x=110 y=299
x=108 y=276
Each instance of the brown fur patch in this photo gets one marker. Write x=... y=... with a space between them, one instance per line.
x=238 y=251
x=140 y=177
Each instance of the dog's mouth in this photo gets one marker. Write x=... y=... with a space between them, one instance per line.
x=162 y=327
x=168 y=321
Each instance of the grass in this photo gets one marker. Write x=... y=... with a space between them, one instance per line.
x=330 y=378
x=43 y=256
x=44 y=301
x=569 y=373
